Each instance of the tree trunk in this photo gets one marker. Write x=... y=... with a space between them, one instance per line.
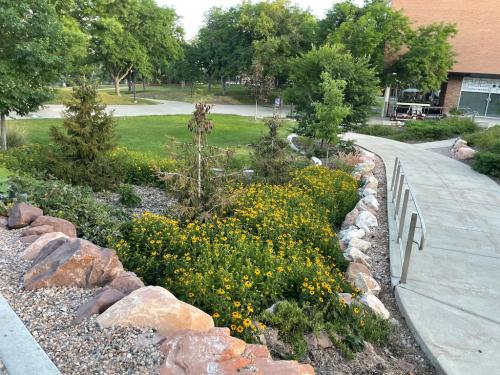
x=223 y=85
x=210 y=84
x=183 y=84
x=199 y=167
x=129 y=83
x=3 y=128
x=192 y=88
x=143 y=83
x=117 y=85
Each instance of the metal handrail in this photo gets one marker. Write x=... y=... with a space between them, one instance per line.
x=399 y=179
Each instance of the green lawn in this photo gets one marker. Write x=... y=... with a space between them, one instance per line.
x=62 y=95
x=150 y=133
x=235 y=94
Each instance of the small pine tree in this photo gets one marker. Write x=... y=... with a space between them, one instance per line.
x=272 y=160
x=83 y=143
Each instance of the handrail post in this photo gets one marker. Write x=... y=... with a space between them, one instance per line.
x=403 y=215
x=409 y=245
x=396 y=162
x=398 y=200
x=398 y=172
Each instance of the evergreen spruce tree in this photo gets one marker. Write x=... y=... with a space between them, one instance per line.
x=83 y=143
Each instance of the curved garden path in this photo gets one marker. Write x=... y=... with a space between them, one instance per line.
x=452 y=297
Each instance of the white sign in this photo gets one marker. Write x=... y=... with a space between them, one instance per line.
x=485 y=85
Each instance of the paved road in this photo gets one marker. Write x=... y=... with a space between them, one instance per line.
x=452 y=298
x=163 y=108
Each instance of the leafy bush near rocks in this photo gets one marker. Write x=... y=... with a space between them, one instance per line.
x=141 y=168
x=29 y=159
x=334 y=190
x=94 y=221
x=128 y=197
x=487 y=163
x=485 y=140
x=346 y=326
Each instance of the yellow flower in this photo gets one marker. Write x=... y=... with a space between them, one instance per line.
x=190 y=295
x=356 y=310
x=233 y=327
x=239 y=329
x=262 y=326
x=216 y=315
x=236 y=315
x=257 y=271
x=269 y=274
x=248 y=284
x=247 y=322
x=237 y=303
x=362 y=323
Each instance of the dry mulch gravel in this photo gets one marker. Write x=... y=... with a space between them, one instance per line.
x=402 y=356
x=81 y=349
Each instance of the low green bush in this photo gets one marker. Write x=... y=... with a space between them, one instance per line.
x=128 y=197
x=379 y=130
x=488 y=163
x=94 y=221
x=485 y=140
x=29 y=159
x=15 y=137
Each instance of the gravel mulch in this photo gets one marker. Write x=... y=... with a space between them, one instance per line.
x=152 y=199
x=81 y=349
x=402 y=356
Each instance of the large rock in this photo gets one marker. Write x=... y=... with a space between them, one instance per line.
x=366 y=166
x=375 y=305
x=465 y=153
x=367 y=191
x=3 y=221
x=76 y=262
x=21 y=215
x=190 y=352
x=360 y=244
x=366 y=220
x=28 y=240
x=366 y=283
x=121 y=286
x=354 y=269
x=37 y=231
x=157 y=308
x=33 y=250
x=58 y=225
x=355 y=255
x=98 y=304
x=369 y=203
x=350 y=233
x=126 y=283
x=350 y=218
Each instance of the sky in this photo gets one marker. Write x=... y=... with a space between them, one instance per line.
x=192 y=11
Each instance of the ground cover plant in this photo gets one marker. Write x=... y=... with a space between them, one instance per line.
x=487 y=143
x=421 y=131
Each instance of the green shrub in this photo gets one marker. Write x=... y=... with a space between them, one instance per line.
x=32 y=159
x=128 y=197
x=436 y=129
x=94 y=221
x=379 y=130
x=487 y=162
x=485 y=140
x=141 y=168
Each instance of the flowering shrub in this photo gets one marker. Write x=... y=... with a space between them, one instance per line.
x=227 y=270
x=334 y=190
x=277 y=213
x=31 y=159
x=141 y=168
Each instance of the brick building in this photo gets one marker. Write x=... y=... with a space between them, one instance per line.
x=474 y=81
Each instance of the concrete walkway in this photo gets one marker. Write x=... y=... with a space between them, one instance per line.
x=163 y=108
x=19 y=351
x=451 y=299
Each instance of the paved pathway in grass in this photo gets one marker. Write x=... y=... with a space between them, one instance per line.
x=163 y=108
x=452 y=297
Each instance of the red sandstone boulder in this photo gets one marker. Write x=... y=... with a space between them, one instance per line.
x=76 y=262
x=98 y=304
x=22 y=215
x=58 y=225
x=190 y=352
x=37 y=231
x=33 y=250
x=157 y=308
x=126 y=283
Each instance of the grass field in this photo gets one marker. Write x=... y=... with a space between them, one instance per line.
x=62 y=95
x=150 y=133
x=235 y=94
